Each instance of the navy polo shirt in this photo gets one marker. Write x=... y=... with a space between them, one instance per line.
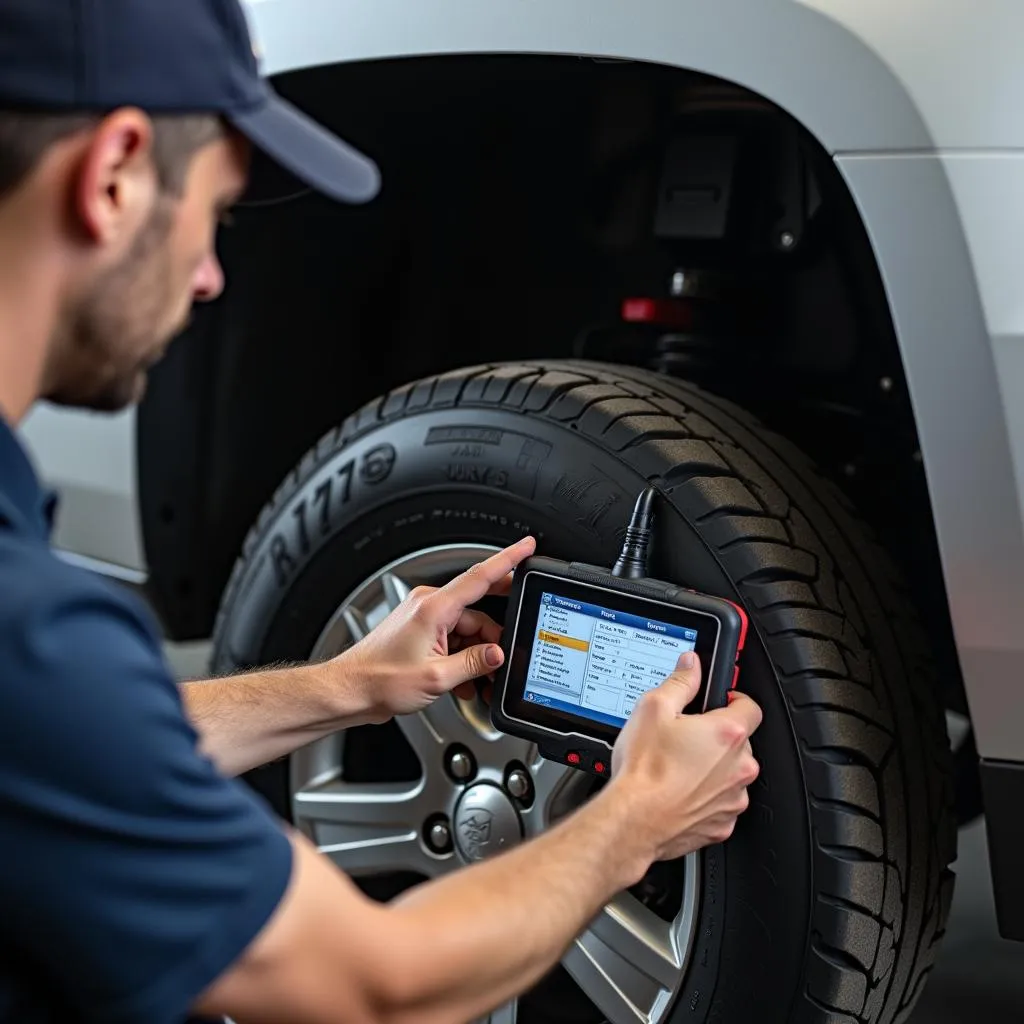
x=132 y=873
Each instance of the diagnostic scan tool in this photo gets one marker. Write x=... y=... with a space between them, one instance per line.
x=584 y=643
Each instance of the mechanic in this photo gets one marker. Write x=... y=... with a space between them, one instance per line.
x=140 y=880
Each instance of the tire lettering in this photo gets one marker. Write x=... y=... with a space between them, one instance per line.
x=378 y=463
x=478 y=435
x=346 y=474
x=322 y=496
x=300 y=514
x=586 y=499
x=284 y=564
x=462 y=473
x=461 y=513
x=374 y=467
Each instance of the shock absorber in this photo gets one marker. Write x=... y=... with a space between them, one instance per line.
x=692 y=330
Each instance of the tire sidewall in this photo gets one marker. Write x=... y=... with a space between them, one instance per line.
x=492 y=476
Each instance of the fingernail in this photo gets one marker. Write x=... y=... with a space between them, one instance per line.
x=493 y=656
x=686 y=661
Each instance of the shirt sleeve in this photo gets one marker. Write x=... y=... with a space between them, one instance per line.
x=134 y=873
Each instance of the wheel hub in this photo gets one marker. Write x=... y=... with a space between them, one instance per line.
x=486 y=823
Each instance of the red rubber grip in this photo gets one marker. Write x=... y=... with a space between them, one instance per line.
x=745 y=623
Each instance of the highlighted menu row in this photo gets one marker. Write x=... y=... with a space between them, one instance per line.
x=598 y=662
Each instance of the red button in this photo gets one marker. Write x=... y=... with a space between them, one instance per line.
x=735 y=677
x=599 y=767
x=573 y=758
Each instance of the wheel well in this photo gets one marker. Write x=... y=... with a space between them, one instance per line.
x=525 y=199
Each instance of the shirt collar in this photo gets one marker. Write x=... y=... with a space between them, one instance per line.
x=23 y=502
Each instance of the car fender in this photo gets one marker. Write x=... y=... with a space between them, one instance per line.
x=861 y=75
x=918 y=105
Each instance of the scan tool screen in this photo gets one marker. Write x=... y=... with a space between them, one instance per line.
x=594 y=661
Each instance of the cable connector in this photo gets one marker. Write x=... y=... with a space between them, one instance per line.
x=632 y=560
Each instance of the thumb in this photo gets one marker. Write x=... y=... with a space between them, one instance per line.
x=472 y=663
x=684 y=683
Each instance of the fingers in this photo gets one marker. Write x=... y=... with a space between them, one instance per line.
x=472 y=663
x=483 y=687
x=742 y=710
x=502 y=587
x=477 y=581
x=474 y=623
x=684 y=683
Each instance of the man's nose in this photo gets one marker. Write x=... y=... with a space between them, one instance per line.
x=209 y=280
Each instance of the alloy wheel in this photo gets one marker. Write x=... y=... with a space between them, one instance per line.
x=478 y=792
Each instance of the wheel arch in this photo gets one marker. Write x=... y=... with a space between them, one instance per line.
x=782 y=50
x=864 y=119
x=881 y=115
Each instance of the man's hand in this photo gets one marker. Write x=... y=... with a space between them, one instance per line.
x=433 y=643
x=429 y=645
x=684 y=777
x=332 y=955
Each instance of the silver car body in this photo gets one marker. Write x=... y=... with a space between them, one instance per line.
x=920 y=104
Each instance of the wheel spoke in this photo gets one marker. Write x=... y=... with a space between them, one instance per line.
x=396 y=590
x=431 y=730
x=626 y=961
x=506 y=1014
x=491 y=744
x=366 y=828
x=356 y=623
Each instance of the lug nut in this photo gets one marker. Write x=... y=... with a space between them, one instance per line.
x=439 y=836
x=518 y=783
x=460 y=764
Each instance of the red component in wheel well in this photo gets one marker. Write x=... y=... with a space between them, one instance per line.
x=667 y=312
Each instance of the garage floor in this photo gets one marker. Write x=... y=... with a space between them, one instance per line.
x=979 y=977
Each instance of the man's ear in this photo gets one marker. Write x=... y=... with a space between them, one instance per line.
x=117 y=183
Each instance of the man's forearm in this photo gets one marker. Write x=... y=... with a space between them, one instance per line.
x=445 y=953
x=484 y=934
x=248 y=720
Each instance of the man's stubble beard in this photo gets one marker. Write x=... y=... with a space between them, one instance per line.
x=120 y=329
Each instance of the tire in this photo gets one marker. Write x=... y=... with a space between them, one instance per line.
x=828 y=904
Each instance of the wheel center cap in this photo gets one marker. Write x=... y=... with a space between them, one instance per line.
x=485 y=823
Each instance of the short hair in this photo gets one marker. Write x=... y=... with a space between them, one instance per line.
x=25 y=136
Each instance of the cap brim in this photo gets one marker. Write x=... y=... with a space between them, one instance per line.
x=310 y=152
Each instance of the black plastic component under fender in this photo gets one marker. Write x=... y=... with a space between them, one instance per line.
x=1002 y=785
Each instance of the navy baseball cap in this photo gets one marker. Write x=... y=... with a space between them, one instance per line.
x=168 y=57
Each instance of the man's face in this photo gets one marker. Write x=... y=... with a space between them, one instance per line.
x=126 y=314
